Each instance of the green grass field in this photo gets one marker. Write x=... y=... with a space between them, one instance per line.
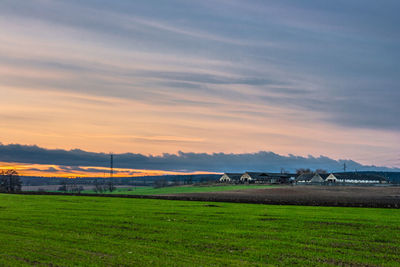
x=96 y=231
x=180 y=189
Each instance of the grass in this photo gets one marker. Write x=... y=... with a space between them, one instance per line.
x=95 y=231
x=180 y=189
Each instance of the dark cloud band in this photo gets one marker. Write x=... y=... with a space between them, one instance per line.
x=216 y=162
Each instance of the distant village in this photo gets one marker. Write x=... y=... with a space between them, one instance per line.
x=314 y=178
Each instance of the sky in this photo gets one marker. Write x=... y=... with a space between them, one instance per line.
x=306 y=78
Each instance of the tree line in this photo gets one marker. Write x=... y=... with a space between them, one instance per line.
x=309 y=171
x=10 y=181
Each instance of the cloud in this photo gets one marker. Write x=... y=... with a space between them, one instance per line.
x=71 y=160
x=48 y=170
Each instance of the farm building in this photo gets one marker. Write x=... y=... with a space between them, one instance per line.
x=230 y=177
x=319 y=178
x=358 y=178
x=331 y=179
x=252 y=176
x=306 y=178
x=266 y=177
x=348 y=178
x=313 y=178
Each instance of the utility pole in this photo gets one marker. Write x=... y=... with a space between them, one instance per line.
x=344 y=166
x=111 y=165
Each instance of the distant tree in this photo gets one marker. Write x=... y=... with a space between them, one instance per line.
x=98 y=188
x=175 y=181
x=110 y=186
x=188 y=179
x=63 y=186
x=303 y=171
x=10 y=181
x=160 y=183
x=204 y=179
x=80 y=189
x=72 y=188
x=95 y=186
x=320 y=171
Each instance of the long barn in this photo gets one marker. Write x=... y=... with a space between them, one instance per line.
x=266 y=177
x=343 y=178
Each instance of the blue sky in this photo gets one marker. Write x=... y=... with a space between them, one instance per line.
x=292 y=77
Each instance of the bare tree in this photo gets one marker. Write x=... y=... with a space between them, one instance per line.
x=204 y=179
x=320 y=171
x=175 y=181
x=63 y=186
x=162 y=182
x=75 y=188
x=110 y=186
x=303 y=171
x=9 y=181
x=98 y=188
x=80 y=189
x=190 y=180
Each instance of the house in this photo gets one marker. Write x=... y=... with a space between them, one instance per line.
x=230 y=177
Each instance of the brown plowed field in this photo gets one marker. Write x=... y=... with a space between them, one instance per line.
x=362 y=196
x=341 y=196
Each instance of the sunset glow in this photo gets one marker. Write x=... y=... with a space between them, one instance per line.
x=44 y=170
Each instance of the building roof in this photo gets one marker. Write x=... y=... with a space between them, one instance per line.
x=305 y=177
x=324 y=175
x=308 y=176
x=317 y=178
x=268 y=174
x=256 y=174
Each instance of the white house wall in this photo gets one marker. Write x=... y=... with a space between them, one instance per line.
x=245 y=177
x=225 y=178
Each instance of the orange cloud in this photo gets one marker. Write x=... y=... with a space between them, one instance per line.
x=45 y=170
